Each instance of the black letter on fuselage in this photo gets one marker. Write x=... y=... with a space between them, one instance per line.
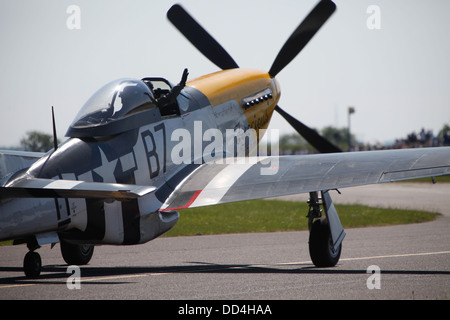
x=162 y=127
x=150 y=150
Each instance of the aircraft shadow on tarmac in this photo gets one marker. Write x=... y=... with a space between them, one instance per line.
x=58 y=272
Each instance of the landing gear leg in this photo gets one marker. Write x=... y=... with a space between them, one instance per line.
x=326 y=232
x=32 y=263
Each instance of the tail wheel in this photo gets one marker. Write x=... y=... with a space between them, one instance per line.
x=75 y=254
x=321 y=247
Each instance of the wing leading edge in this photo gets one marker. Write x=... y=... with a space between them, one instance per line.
x=221 y=183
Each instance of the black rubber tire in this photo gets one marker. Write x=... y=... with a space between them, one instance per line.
x=321 y=245
x=32 y=264
x=75 y=254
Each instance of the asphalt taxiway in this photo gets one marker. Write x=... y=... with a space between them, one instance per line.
x=413 y=260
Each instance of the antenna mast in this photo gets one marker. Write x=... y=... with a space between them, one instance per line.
x=55 y=139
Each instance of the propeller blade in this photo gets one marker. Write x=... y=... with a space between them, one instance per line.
x=200 y=38
x=301 y=36
x=316 y=140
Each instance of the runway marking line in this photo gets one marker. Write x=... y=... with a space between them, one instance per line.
x=262 y=265
x=397 y=255
x=90 y=279
x=123 y=277
x=18 y=285
x=377 y=257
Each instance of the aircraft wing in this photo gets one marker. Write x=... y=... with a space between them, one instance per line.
x=12 y=161
x=48 y=188
x=221 y=183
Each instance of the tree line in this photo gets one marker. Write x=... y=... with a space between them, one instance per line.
x=293 y=143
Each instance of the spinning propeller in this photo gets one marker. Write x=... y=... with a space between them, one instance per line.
x=211 y=49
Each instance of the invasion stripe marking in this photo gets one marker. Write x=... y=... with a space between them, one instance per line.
x=66 y=184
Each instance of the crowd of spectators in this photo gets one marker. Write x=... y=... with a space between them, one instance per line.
x=422 y=139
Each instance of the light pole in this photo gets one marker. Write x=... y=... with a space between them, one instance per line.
x=351 y=110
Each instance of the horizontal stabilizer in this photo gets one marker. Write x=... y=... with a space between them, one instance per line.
x=12 y=161
x=48 y=188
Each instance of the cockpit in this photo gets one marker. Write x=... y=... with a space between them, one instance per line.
x=115 y=100
x=114 y=108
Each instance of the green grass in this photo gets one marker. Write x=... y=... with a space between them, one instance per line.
x=273 y=215
x=439 y=179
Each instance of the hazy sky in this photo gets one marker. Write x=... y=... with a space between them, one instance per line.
x=397 y=77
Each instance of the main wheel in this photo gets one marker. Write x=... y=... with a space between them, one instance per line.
x=75 y=254
x=32 y=264
x=321 y=247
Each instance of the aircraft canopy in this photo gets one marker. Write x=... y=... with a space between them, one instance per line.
x=116 y=100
